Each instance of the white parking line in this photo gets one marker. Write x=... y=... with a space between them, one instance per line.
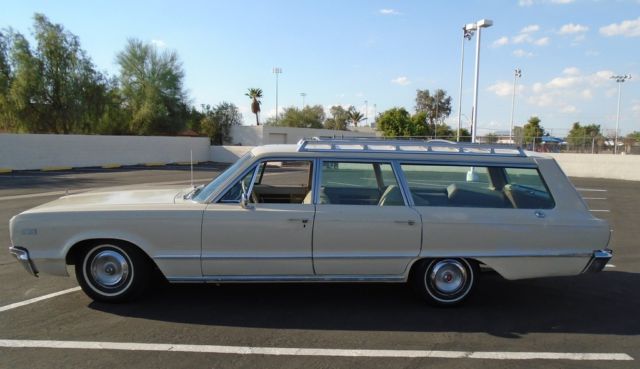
x=594 y=198
x=290 y=351
x=600 y=210
x=591 y=189
x=36 y=299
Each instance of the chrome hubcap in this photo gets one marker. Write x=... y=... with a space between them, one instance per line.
x=448 y=276
x=109 y=268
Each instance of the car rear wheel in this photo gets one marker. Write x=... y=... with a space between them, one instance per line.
x=445 y=282
x=112 y=271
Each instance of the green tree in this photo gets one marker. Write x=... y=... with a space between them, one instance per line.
x=397 y=122
x=583 y=136
x=635 y=135
x=491 y=138
x=6 y=77
x=339 y=118
x=54 y=88
x=436 y=105
x=533 y=130
x=309 y=117
x=354 y=117
x=255 y=94
x=152 y=87
x=218 y=120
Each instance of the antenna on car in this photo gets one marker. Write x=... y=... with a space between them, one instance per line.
x=191 y=166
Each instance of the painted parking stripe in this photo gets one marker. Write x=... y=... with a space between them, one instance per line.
x=600 y=210
x=594 y=198
x=290 y=351
x=36 y=299
x=591 y=189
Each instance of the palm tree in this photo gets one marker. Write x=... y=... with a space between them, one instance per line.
x=255 y=94
x=354 y=117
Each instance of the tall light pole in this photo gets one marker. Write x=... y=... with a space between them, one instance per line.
x=277 y=71
x=483 y=23
x=366 y=111
x=303 y=94
x=517 y=73
x=375 y=111
x=620 y=80
x=467 y=33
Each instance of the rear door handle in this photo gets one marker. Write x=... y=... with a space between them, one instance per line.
x=409 y=222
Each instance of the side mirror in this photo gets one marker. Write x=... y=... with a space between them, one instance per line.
x=244 y=201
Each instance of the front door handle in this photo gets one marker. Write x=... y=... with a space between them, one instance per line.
x=539 y=214
x=303 y=220
x=409 y=222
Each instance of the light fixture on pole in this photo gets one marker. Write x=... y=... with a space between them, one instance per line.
x=483 y=23
x=620 y=80
x=517 y=74
x=303 y=94
x=467 y=33
x=277 y=71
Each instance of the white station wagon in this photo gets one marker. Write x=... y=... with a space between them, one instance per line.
x=430 y=213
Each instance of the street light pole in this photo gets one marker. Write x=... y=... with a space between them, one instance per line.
x=366 y=111
x=483 y=23
x=303 y=94
x=517 y=74
x=620 y=80
x=276 y=71
x=375 y=108
x=467 y=33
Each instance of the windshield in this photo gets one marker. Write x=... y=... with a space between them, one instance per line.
x=203 y=194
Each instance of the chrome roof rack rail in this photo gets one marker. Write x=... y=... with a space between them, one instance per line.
x=381 y=145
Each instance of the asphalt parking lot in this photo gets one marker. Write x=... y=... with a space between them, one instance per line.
x=238 y=326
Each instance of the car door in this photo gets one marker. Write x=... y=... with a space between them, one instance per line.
x=271 y=234
x=363 y=225
x=481 y=210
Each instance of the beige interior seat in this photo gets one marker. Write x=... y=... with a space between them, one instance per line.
x=392 y=196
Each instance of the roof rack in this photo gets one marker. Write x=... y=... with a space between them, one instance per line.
x=436 y=146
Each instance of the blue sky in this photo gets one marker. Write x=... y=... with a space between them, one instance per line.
x=346 y=52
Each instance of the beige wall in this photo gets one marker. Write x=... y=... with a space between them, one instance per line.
x=625 y=167
x=40 y=151
x=265 y=135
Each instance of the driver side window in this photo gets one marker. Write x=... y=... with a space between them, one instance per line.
x=276 y=182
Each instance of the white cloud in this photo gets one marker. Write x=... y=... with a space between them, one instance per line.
x=572 y=71
x=544 y=41
x=627 y=28
x=388 y=12
x=530 y=28
x=523 y=37
x=571 y=28
x=504 y=40
x=531 y=2
x=525 y=2
x=521 y=53
x=586 y=94
x=568 y=109
x=562 y=1
x=504 y=88
x=160 y=44
x=402 y=81
x=592 y=53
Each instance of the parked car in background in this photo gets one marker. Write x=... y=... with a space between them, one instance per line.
x=425 y=212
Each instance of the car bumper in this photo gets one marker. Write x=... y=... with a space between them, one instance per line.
x=22 y=255
x=598 y=260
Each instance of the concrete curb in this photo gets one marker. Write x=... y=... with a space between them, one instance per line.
x=51 y=169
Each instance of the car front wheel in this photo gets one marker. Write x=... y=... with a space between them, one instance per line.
x=445 y=282
x=112 y=272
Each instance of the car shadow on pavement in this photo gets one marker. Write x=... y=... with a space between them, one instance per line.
x=604 y=303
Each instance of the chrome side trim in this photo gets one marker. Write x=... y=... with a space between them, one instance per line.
x=598 y=260
x=22 y=255
x=541 y=255
x=287 y=278
x=176 y=257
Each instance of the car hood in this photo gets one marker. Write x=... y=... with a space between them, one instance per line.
x=104 y=198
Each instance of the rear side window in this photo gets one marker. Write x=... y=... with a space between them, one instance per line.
x=479 y=187
x=346 y=183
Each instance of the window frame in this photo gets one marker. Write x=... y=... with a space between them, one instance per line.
x=255 y=167
x=394 y=167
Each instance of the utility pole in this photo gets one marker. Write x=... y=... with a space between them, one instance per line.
x=277 y=71
x=517 y=74
x=467 y=33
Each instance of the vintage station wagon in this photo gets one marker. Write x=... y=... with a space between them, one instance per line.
x=430 y=213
